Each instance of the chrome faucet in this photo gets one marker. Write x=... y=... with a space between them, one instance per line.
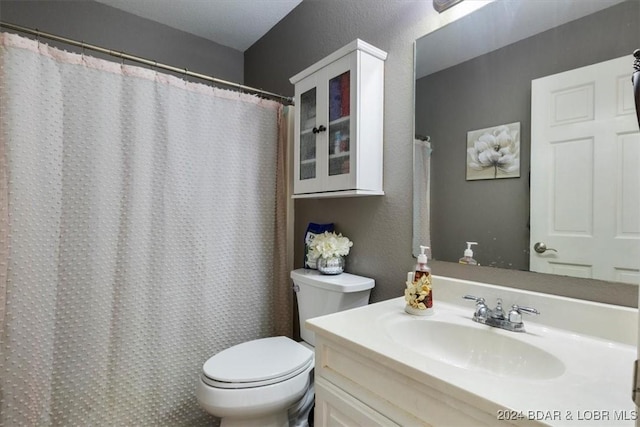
x=497 y=318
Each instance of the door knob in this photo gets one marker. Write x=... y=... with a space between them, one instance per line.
x=541 y=248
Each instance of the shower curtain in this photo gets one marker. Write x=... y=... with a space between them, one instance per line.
x=138 y=236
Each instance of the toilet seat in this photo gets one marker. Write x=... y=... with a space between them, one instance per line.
x=257 y=363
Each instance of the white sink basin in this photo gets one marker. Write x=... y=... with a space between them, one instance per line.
x=573 y=362
x=475 y=347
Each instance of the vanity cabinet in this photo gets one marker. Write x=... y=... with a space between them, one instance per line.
x=338 y=124
x=379 y=366
x=353 y=389
x=337 y=408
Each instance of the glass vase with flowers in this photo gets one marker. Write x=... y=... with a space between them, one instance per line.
x=330 y=249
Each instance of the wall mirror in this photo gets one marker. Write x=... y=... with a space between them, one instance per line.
x=474 y=83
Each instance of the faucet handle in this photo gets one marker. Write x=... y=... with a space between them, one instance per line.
x=528 y=310
x=481 y=308
x=515 y=314
x=478 y=300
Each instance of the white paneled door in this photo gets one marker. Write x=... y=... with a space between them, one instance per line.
x=585 y=173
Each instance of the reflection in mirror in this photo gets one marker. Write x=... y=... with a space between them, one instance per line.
x=476 y=74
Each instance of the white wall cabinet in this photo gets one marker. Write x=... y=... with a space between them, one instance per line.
x=339 y=124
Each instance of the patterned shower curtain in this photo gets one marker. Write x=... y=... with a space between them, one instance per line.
x=137 y=221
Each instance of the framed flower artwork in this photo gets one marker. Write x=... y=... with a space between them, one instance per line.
x=494 y=152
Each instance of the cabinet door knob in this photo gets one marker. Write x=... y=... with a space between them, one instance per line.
x=319 y=129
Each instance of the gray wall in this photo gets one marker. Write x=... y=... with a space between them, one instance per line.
x=381 y=227
x=491 y=90
x=101 y=25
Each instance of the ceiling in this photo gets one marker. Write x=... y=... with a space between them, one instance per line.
x=234 y=23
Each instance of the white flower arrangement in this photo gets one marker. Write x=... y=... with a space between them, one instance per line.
x=330 y=245
x=416 y=292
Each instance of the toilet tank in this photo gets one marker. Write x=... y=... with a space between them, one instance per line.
x=320 y=294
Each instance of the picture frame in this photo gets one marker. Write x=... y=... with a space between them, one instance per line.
x=493 y=152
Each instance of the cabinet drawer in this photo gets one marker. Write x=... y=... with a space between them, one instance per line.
x=406 y=400
x=334 y=407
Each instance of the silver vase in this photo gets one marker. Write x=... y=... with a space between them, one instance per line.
x=332 y=265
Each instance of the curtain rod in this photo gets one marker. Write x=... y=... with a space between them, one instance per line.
x=125 y=56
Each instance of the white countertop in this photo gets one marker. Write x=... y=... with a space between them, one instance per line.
x=595 y=342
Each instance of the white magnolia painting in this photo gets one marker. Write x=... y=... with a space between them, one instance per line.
x=494 y=152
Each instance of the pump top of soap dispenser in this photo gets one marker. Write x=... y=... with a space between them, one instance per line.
x=422 y=258
x=468 y=252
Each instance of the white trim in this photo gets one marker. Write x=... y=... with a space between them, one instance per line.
x=357 y=44
x=336 y=194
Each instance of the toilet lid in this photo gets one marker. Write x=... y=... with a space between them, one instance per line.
x=256 y=363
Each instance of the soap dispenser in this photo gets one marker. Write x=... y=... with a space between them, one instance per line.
x=419 y=295
x=468 y=255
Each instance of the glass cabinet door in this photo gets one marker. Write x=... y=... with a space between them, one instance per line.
x=339 y=124
x=308 y=157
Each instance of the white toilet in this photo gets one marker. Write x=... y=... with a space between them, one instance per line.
x=267 y=381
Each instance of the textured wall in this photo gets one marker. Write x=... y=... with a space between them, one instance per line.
x=381 y=227
x=101 y=25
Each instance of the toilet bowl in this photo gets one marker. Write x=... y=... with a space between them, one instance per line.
x=268 y=382
x=253 y=383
